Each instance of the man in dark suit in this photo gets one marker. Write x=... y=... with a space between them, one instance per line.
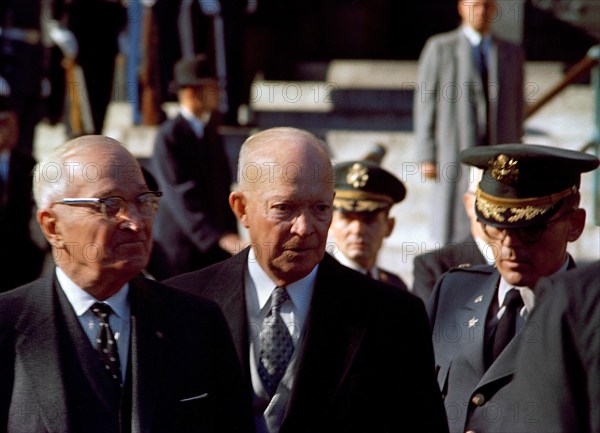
x=528 y=202
x=557 y=379
x=470 y=94
x=324 y=348
x=475 y=249
x=94 y=347
x=364 y=196
x=195 y=227
x=21 y=256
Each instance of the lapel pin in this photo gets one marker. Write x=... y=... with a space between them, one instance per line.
x=473 y=322
x=478 y=299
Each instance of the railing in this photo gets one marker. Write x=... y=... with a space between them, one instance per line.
x=572 y=75
x=591 y=62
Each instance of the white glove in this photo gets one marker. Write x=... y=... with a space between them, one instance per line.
x=210 y=8
x=4 y=87
x=65 y=40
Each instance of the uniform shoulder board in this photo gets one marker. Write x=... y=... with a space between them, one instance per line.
x=468 y=267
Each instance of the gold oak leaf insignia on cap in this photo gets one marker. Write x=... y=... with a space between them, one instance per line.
x=357 y=176
x=504 y=169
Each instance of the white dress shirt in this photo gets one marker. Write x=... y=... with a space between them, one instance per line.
x=526 y=294
x=120 y=321
x=373 y=272
x=196 y=123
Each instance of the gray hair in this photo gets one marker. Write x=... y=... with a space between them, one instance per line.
x=52 y=175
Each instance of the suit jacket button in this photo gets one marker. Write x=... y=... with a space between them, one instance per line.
x=478 y=399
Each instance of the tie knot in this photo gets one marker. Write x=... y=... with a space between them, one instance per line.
x=101 y=310
x=278 y=297
x=513 y=299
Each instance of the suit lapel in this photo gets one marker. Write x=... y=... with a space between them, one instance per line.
x=331 y=343
x=147 y=355
x=91 y=367
x=473 y=316
x=37 y=348
x=227 y=289
x=468 y=89
x=494 y=60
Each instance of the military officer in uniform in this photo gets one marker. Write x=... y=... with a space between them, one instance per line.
x=528 y=201
x=364 y=195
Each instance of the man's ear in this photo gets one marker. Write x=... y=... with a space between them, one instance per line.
x=237 y=202
x=576 y=224
x=391 y=223
x=47 y=220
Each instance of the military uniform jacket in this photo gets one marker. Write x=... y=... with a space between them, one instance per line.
x=183 y=374
x=391 y=279
x=428 y=267
x=366 y=364
x=457 y=311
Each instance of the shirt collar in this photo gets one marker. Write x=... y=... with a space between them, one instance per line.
x=300 y=291
x=527 y=293
x=474 y=37
x=341 y=257
x=196 y=123
x=81 y=301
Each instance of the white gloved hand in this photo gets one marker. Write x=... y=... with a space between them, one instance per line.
x=65 y=40
x=4 y=87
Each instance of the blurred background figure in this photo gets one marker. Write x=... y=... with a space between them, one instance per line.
x=87 y=33
x=195 y=227
x=24 y=64
x=365 y=193
x=475 y=249
x=22 y=249
x=470 y=94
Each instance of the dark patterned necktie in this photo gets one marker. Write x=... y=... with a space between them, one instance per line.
x=276 y=345
x=507 y=325
x=106 y=345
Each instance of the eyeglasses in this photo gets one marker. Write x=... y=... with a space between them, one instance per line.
x=527 y=235
x=146 y=204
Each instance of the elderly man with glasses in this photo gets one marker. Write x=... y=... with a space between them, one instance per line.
x=528 y=202
x=95 y=347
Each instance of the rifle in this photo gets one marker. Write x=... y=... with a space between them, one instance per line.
x=80 y=112
x=150 y=70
